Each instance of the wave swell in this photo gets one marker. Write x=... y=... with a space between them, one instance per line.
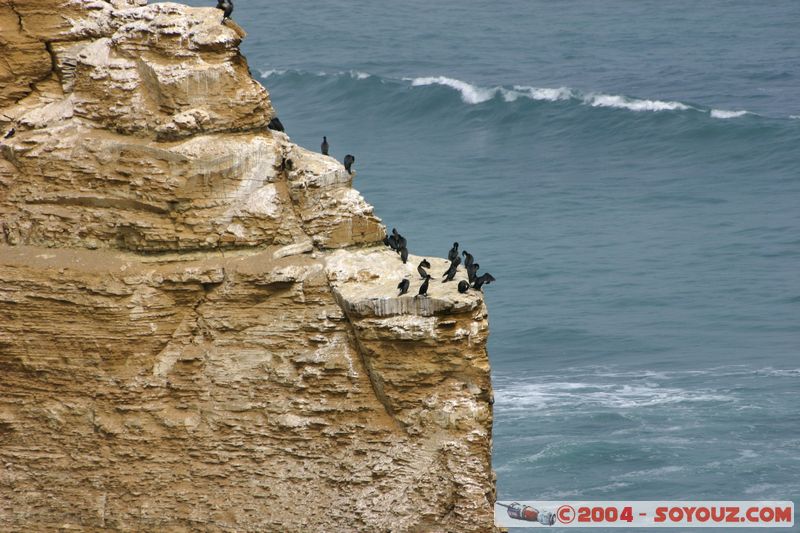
x=473 y=94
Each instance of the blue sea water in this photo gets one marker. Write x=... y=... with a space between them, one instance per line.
x=630 y=174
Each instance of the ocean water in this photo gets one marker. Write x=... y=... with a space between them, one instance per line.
x=630 y=174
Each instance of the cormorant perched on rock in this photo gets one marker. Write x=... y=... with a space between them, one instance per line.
x=472 y=270
x=348 y=163
x=468 y=259
x=453 y=252
x=484 y=278
x=227 y=8
x=275 y=124
x=391 y=242
x=423 y=289
x=404 y=254
x=451 y=272
x=422 y=265
x=325 y=146
x=399 y=241
x=403 y=286
x=463 y=286
x=10 y=133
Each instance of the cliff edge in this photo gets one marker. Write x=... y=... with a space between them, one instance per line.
x=199 y=326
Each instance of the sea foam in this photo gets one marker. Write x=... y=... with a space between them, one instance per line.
x=632 y=104
x=544 y=93
x=722 y=113
x=576 y=396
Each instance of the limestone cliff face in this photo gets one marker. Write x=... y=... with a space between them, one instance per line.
x=198 y=323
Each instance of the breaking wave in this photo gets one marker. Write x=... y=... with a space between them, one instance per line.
x=473 y=94
x=633 y=104
x=721 y=113
x=470 y=94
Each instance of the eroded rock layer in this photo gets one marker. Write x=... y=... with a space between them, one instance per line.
x=199 y=326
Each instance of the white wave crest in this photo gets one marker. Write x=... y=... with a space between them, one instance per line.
x=358 y=75
x=722 y=113
x=474 y=94
x=796 y=117
x=545 y=93
x=509 y=96
x=271 y=72
x=632 y=104
x=470 y=94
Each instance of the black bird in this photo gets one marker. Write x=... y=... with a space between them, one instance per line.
x=451 y=272
x=468 y=259
x=275 y=124
x=453 y=252
x=399 y=240
x=472 y=272
x=391 y=242
x=227 y=8
x=348 y=163
x=423 y=289
x=325 y=146
x=463 y=286
x=10 y=133
x=484 y=278
x=404 y=254
x=422 y=265
x=403 y=286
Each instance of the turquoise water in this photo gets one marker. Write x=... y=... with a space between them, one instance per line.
x=630 y=174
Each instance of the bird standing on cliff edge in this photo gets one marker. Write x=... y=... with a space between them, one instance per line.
x=227 y=8
x=483 y=279
x=468 y=259
x=404 y=254
x=325 y=146
x=400 y=241
x=472 y=272
x=423 y=290
x=451 y=272
x=348 y=163
x=403 y=286
x=421 y=268
x=453 y=253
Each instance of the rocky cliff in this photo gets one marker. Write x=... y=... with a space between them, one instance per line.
x=199 y=327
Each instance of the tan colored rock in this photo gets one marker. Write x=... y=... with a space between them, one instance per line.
x=24 y=59
x=199 y=326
